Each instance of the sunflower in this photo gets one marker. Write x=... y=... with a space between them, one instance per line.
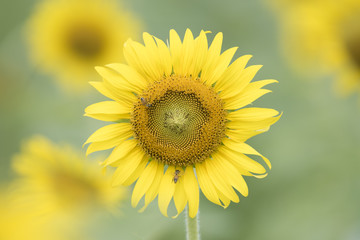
x=67 y=38
x=181 y=121
x=323 y=36
x=56 y=179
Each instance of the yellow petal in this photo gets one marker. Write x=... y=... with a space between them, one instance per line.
x=180 y=198
x=252 y=92
x=242 y=135
x=127 y=167
x=111 y=131
x=186 y=66
x=140 y=58
x=144 y=182
x=244 y=148
x=166 y=190
x=123 y=95
x=192 y=191
x=108 y=111
x=262 y=83
x=252 y=114
x=175 y=48
x=109 y=117
x=123 y=149
x=224 y=199
x=232 y=74
x=154 y=188
x=231 y=173
x=212 y=76
x=206 y=185
x=149 y=41
x=238 y=84
x=259 y=175
x=134 y=78
x=99 y=86
x=165 y=58
x=215 y=47
x=116 y=79
x=155 y=55
x=241 y=160
x=219 y=181
x=99 y=146
x=138 y=171
x=132 y=59
x=262 y=125
x=200 y=53
x=213 y=56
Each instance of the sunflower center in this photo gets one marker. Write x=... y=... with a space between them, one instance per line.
x=72 y=189
x=85 y=41
x=176 y=121
x=351 y=32
x=179 y=121
x=353 y=46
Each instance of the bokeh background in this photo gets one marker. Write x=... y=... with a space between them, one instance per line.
x=313 y=189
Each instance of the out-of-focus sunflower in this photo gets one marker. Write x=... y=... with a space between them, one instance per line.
x=22 y=223
x=184 y=121
x=68 y=38
x=56 y=179
x=323 y=37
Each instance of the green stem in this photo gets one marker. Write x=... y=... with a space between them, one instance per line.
x=192 y=226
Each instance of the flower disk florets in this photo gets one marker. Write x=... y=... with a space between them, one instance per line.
x=179 y=121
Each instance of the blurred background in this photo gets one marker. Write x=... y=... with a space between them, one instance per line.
x=313 y=189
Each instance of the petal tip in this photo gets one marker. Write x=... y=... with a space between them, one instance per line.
x=98 y=68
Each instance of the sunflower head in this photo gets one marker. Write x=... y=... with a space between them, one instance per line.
x=350 y=33
x=323 y=37
x=182 y=123
x=56 y=179
x=180 y=110
x=67 y=38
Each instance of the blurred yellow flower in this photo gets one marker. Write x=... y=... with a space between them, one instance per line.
x=323 y=36
x=56 y=179
x=68 y=38
x=181 y=110
x=23 y=224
